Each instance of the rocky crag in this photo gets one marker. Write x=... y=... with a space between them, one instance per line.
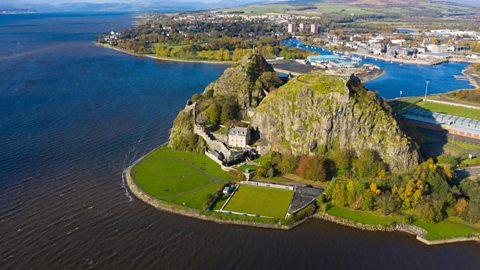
x=314 y=111
x=249 y=81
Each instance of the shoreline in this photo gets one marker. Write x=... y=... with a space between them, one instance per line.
x=165 y=58
x=399 y=227
x=402 y=61
x=472 y=76
x=192 y=213
x=189 y=212
x=368 y=77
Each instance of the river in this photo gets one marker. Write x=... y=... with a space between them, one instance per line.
x=408 y=78
x=74 y=115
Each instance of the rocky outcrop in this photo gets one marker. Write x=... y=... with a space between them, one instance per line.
x=249 y=81
x=316 y=109
x=182 y=135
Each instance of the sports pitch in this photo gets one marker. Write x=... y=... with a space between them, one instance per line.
x=263 y=201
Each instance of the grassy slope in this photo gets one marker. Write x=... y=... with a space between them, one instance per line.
x=263 y=201
x=179 y=177
x=435 y=231
x=465 y=146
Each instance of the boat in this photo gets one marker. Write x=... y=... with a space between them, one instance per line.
x=460 y=77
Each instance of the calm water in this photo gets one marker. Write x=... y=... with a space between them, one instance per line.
x=408 y=78
x=73 y=115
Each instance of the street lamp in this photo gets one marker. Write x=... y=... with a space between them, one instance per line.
x=426 y=88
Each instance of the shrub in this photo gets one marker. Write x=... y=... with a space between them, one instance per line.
x=288 y=163
x=368 y=164
x=313 y=168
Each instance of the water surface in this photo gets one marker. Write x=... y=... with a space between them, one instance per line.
x=409 y=78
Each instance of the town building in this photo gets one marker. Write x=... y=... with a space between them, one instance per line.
x=314 y=28
x=379 y=48
x=238 y=137
x=291 y=28
x=456 y=125
x=301 y=27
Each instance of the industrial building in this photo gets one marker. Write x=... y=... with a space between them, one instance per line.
x=456 y=125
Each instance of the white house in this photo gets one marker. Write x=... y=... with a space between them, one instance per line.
x=238 y=137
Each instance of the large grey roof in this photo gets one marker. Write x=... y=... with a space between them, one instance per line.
x=238 y=131
x=467 y=124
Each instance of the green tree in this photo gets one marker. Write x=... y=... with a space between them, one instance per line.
x=316 y=169
x=226 y=55
x=342 y=159
x=213 y=112
x=288 y=163
x=230 y=110
x=368 y=200
x=219 y=55
x=368 y=164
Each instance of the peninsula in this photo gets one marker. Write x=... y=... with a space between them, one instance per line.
x=255 y=149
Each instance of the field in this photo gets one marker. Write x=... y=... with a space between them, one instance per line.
x=263 y=201
x=179 y=177
x=452 y=110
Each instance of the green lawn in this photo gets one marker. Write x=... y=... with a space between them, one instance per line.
x=244 y=168
x=369 y=218
x=220 y=201
x=445 y=230
x=452 y=110
x=465 y=146
x=264 y=201
x=179 y=177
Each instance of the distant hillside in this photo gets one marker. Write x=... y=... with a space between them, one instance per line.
x=386 y=2
x=400 y=2
x=408 y=9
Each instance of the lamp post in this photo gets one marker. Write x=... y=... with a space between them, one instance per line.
x=426 y=89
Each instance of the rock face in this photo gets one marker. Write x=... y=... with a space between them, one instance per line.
x=182 y=137
x=249 y=81
x=315 y=110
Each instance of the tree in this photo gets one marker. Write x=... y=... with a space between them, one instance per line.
x=339 y=194
x=374 y=189
x=461 y=206
x=288 y=163
x=230 y=110
x=313 y=168
x=213 y=112
x=266 y=170
x=219 y=55
x=367 y=164
x=342 y=159
x=368 y=201
x=431 y=209
x=226 y=55
x=390 y=202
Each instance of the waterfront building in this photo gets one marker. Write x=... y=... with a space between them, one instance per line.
x=314 y=28
x=238 y=137
x=291 y=28
x=301 y=27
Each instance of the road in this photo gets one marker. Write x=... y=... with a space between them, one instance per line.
x=468 y=172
